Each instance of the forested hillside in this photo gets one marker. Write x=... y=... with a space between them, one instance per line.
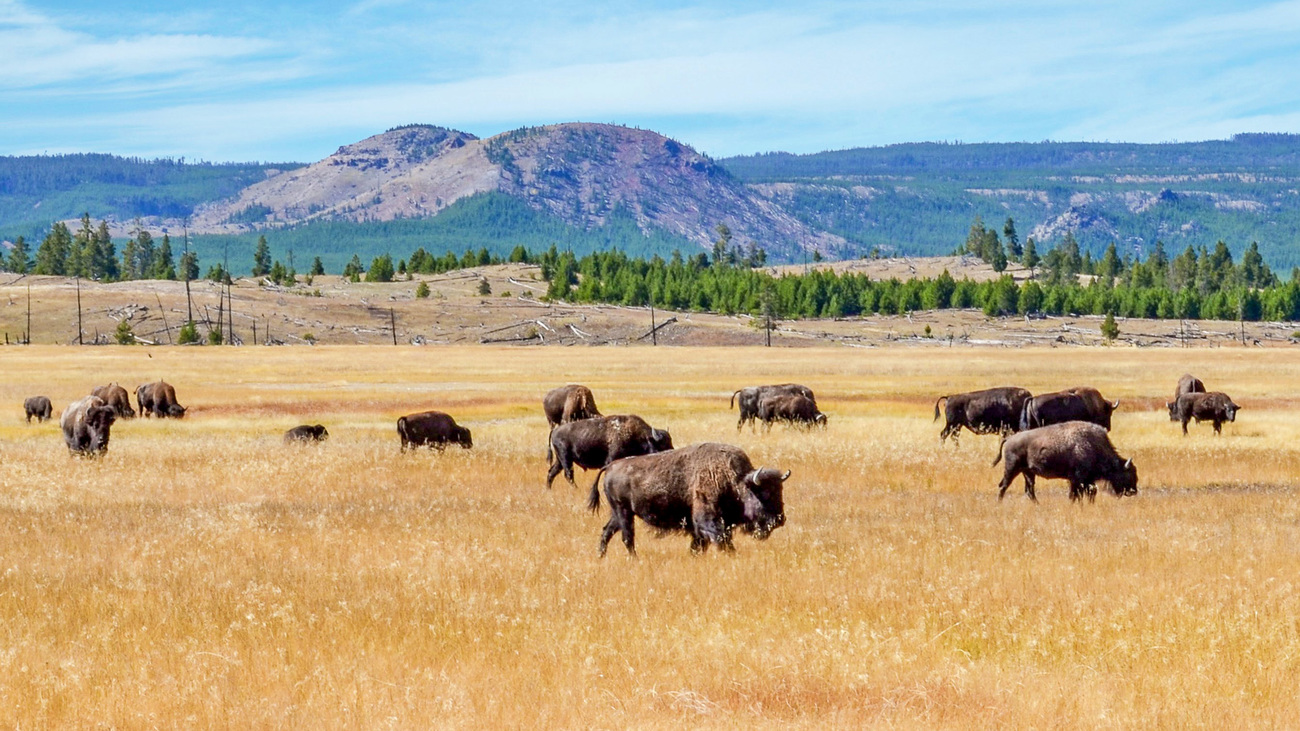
x=36 y=191
x=920 y=198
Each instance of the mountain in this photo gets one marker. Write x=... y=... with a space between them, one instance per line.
x=584 y=175
x=921 y=198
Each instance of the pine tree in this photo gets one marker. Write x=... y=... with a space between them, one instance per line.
x=381 y=269
x=262 y=258
x=52 y=256
x=145 y=252
x=189 y=334
x=1014 y=252
x=124 y=335
x=317 y=268
x=163 y=265
x=422 y=290
x=18 y=262
x=104 y=264
x=1109 y=329
x=189 y=266
x=1030 y=257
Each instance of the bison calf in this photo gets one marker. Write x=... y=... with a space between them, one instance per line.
x=38 y=406
x=432 y=429
x=705 y=490
x=791 y=408
x=86 y=425
x=1215 y=406
x=306 y=433
x=749 y=398
x=1083 y=403
x=1077 y=451
x=594 y=443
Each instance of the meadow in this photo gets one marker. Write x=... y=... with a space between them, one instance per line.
x=203 y=574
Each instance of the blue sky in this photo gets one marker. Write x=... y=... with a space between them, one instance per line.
x=284 y=81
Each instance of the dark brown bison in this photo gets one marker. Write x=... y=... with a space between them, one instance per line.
x=117 y=397
x=86 y=425
x=1077 y=451
x=991 y=411
x=749 y=398
x=705 y=490
x=1187 y=384
x=158 y=399
x=432 y=429
x=38 y=406
x=1214 y=406
x=562 y=405
x=306 y=433
x=1083 y=403
x=594 y=443
x=791 y=408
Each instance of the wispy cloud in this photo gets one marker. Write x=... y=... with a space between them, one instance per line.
x=727 y=77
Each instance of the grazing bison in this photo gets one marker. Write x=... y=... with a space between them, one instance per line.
x=1215 y=406
x=86 y=424
x=750 y=397
x=432 y=429
x=158 y=399
x=1077 y=451
x=791 y=408
x=705 y=490
x=117 y=397
x=594 y=443
x=569 y=403
x=306 y=434
x=38 y=406
x=991 y=411
x=562 y=405
x=1187 y=384
x=1083 y=403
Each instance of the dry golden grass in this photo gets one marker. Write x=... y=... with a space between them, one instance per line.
x=205 y=575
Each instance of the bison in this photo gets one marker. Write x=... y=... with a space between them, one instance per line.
x=562 y=405
x=991 y=411
x=86 y=424
x=158 y=399
x=792 y=408
x=306 y=433
x=705 y=490
x=1187 y=384
x=594 y=443
x=749 y=398
x=1215 y=406
x=432 y=429
x=117 y=397
x=1082 y=403
x=1077 y=451
x=38 y=406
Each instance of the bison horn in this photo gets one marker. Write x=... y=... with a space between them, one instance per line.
x=1115 y=405
x=753 y=476
x=786 y=476
x=1128 y=463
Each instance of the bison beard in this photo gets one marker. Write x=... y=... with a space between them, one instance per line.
x=705 y=490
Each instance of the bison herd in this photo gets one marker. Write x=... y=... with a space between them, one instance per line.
x=1063 y=435
x=708 y=490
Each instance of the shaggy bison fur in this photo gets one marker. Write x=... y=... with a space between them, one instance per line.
x=306 y=433
x=749 y=398
x=38 y=406
x=791 y=408
x=117 y=397
x=86 y=425
x=432 y=429
x=594 y=443
x=158 y=399
x=1077 y=451
x=706 y=490
x=991 y=411
x=1214 y=406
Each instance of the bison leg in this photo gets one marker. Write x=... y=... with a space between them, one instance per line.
x=1029 y=486
x=627 y=521
x=1092 y=494
x=1008 y=475
x=1218 y=427
x=1185 y=427
x=611 y=528
x=552 y=471
x=699 y=544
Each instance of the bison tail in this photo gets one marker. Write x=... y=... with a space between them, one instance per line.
x=936 y=407
x=401 y=432
x=1001 y=443
x=733 y=399
x=593 y=499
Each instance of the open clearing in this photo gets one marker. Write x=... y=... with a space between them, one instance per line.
x=203 y=574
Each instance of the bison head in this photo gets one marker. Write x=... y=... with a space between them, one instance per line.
x=320 y=433
x=1125 y=481
x=820 y=419
x=661 y=440
x=176 y=411
x=1232 y=410
x=764 y=502
x=461 y=436
x=1173 y=410
x=99 y=421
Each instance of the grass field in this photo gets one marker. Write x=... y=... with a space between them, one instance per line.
x=203 y=574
